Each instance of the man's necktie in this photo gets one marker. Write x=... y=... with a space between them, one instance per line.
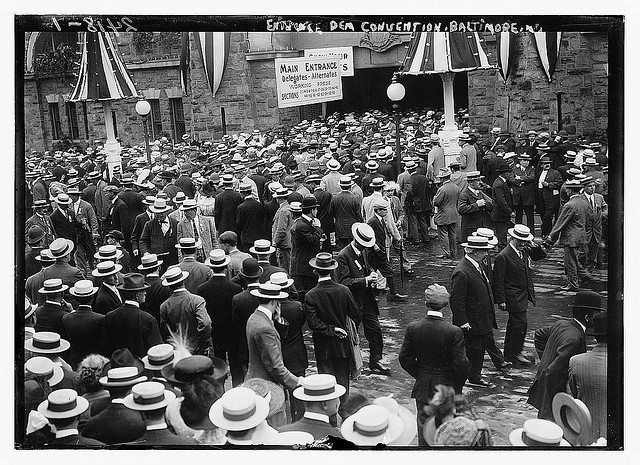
x=196 y=236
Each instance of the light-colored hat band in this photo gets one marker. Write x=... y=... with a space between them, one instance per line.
x=533 y=442
x=138 y=399
x=231 y=416
x=66 y=407
x=161 y=361
x=319 y=392
x=38 y=344
x=371 y=432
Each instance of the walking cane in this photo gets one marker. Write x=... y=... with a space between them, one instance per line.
x=401 y=265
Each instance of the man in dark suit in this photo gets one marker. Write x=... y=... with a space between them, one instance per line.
x=324 y=203
x=63 y=408
x=108 y=297
x=555 y=345
x=327 y=307
x=119 y=217
x=184 y=181
x=262 y=249
x=446 y=216
x=306 y=238
x=160 y=235
x=548 y=183
x=83 y=327
x=116 y=424
x=321 y=396
x=249 y=219
x=523 y=185
x=433 y=353
x=157 y=293
x=133 y=201
x=35 y=241
x=151 y=399
x=242 y=306
x=570 y=230
x=218 y=293
x=34 y=282
x=184 y=313
x=199 y=273
x=63 y=219
x=138 y=226
x=49 y=315
x=472 y=305
x=502 y=204
x=127 y=326
x=226 y=205
x=345 y=210
x=474 y=206
x=417 y=205
x=61 y=251
x=513 y=290
x=42 y=219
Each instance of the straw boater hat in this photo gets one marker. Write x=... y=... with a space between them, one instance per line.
x=363 y=234
x=160 y=206
x=346 y=182
x=186 y=243
x=217 y=259
x=520 y=231
x=44 y=368
x=61 y=248
x=149 y=261
x=106 y=268
x=52 y=286
x=174 y=275
x=149 y=395
x=573 y=416
x=83 y=288
x=295 y=207
x=318 y=388
x=372 y=425
x=239 y=409
x=409 y=420
x=473 y=175
x=193 y=367
x=269 y=291
x=377 y=182
x=63 y=199
x=158 y=357
x=188 y=204
x=488 y=233
x=63 y=403
x=46 y=342
x=538 y=433
x=281 y=279
x=108 y=252
x=444 y=173
x=262 y=247
x=323 y=261
x=121 y=377
x=273 y=393
x=477 y=242
x=282 y=192
x=29 y=308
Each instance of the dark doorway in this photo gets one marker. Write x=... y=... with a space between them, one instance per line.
x=367 y=90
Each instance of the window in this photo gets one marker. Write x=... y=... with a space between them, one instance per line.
x=54 y=119
x=72 y=119
x=86 y=120
x=156 y=119
x=177 y=118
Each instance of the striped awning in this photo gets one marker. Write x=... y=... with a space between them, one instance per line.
x=505 y=44
x=214 y=47
x=548 y=46
x=103 y=74
x=444 y=52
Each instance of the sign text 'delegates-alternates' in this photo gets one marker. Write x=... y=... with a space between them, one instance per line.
x=344 y=53
x=307 y=80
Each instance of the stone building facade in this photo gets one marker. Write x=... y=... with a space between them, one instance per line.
x=247 y=94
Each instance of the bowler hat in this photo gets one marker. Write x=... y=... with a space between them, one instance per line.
x=35 y=234
x=250 y=268
x=309 y=201
x=588 y=300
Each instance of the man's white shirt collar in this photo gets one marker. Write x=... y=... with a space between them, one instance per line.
x=316 y=416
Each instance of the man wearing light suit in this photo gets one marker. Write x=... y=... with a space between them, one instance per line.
x=199 y=227
x=446 y=215
x=265 y=350
x=598 y=210
x=199 y=273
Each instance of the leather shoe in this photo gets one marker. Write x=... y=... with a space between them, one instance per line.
x=379 y=368
x=569 y=288
x=409 y=272
x=505 y=364
x=479 y=383
x=522 y=358
x=396 y=297
x=443 y=256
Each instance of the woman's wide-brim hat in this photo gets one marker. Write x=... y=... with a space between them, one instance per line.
x=194 y=366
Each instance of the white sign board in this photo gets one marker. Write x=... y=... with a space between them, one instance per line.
x=306 y=80
x=344 y=53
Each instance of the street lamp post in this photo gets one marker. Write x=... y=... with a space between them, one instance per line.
x=143 y=109
x=396 y=92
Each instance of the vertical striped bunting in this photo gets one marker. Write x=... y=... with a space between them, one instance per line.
x=103 y=74
x=548 y=47
x=442 y=52
x=505 y=46
x=184 y=63
x=214 y=47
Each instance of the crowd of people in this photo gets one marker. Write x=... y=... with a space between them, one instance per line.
x=148 y=289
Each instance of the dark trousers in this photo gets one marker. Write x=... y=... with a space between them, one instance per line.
x=421 y=419
x=447 y=238
x=476 y=345
x=373 y=334
x=516 y=332
x=381 y=263
x=501 y=233
x=590 y=252
x=573 y=268
x=304 y=284
x=419 y=226
x=338 y=367
x=237 y=368
x=550 y=212
x=296 y=407
x=522 y=210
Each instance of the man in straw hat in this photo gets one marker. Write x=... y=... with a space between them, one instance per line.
x=138 y=225
x=306 y=239
x=549 y=182
x=199 y=273
x=49 y=314
x=327 y=307
x=184 y=315
x=598 y=212
x=200 y=228
x=41 y=218
x=157 y=293
x=62 y=409
x=239 y=411
x=108 y=297
x=160 y=234
x=372 y=425
x=472 y=305
x=344 y=210
x=513 y=288
x=281 y=227
x=116 y=424
x=250 y=217
x=83 y=327
x=128 y=326
x=63 y=218
x=446 y=215
x=588 y=377
x=555 y=345
x=502 y=203
x=151 y=400
x=34 y=282
x=226 y=205
x=51 y=345
x=265 y=350
x=474 y=205
x=570 y=230
x=433 y=352
x=321 y=397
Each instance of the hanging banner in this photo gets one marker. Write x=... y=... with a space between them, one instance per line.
x=344 y=53
x=307 y=80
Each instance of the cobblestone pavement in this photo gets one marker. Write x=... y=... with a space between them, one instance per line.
x=503 y=406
